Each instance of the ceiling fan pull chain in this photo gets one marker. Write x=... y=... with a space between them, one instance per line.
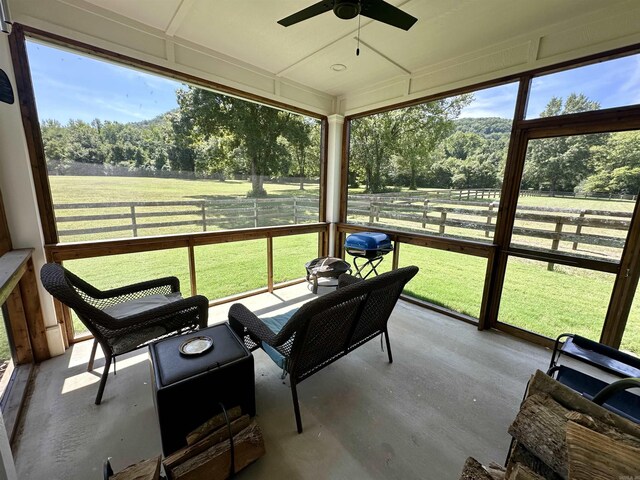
x=358 y=49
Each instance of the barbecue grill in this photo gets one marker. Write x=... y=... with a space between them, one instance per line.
x=369 y=247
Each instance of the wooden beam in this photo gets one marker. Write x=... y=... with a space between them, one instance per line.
x=193 y=277
x=624 y=287
x=31 y=126
x=33 y=314
x=494 y=279
x=270 y=264
x=78 y=250
x=19 y=332
x=469 y=247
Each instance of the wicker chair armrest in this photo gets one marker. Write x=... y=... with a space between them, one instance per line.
x=159 y=314
x=346 y=279
x=172 y=282
x=256 y=327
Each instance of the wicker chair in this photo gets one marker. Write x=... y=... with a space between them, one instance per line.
x=320 y=332
x=126 y=318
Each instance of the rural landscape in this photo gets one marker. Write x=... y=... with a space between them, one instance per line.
x=221 y=163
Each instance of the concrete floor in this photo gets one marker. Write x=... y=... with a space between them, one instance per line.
x=451 y=393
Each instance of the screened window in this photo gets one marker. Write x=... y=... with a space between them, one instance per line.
x=433 y=168
x=609 y=84
x=578 y=194
x=131 y=154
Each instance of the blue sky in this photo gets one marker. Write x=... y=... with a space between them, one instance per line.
x=70 y=86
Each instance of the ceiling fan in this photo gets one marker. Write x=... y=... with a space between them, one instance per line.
x=346 y=9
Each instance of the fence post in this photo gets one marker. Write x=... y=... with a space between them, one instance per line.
x=556 y=240
x=295 y=211
x=578 y=230
x=134 y=224
x=255 y=213
x=486 y=232
x=443 y=221
x=460 y=195
x=425 y=212
x=372 y=212
x=469 y=194
x=204 y=217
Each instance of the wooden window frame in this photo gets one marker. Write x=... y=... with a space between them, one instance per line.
x=627 y=270
x=58 y=252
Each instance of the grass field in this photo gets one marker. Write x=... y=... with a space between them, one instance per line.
x=550 y=303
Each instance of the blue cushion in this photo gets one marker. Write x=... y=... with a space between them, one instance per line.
x=275 y=324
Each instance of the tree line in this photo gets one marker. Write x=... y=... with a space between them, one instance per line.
x=209 y=134
x=426 y=145
x=429 y=145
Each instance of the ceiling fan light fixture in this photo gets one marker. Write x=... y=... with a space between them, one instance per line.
x=338 y=67
x=346 y=9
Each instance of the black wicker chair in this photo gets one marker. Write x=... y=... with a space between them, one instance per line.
x=325 y=329
x=160 y=312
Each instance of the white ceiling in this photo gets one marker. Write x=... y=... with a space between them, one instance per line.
x=246 y=30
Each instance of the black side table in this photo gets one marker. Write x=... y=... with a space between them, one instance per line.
x=187 y=389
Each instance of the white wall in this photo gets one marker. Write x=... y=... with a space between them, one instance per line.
x=16 y=184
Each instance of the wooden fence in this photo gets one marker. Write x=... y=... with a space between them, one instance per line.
x=478 y=219
x=100 y=218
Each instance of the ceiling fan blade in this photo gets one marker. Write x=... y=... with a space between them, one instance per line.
x=386 y=13
x=305 y=13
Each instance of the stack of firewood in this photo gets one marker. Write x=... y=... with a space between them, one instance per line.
x=208 y=451
x=558 y=434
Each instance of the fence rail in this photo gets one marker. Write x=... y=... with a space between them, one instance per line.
x=562 y=224
x=224 y=213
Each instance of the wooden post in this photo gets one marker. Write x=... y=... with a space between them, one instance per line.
x=468 y=194
x=17 y=323
x=134 y=225
x=556 y=240
x=192 y=268
x=33 y=314
x=255 y=213
x=425 y=213
x=486 y=232
x=295 y=211
x=372 y=212
x=443 y=221
x=204 y=217
x=460 y=195
x=396 y=255
x=578 y=230
x=270 y=264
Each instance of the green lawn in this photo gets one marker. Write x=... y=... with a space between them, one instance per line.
x=549 y=303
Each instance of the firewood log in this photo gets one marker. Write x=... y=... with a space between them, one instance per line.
x=593 y=455
x=145 y=470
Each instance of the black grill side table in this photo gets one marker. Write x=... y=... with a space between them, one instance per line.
x=187 y=389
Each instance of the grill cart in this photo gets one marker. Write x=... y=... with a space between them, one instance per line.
x=370 y=248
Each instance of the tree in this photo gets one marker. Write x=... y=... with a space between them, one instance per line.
x=83 y=143
x=256 y=128
x=617 y=165
x=561 y=163
x=54 y=140
x=303 y=138
x=410 y=134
